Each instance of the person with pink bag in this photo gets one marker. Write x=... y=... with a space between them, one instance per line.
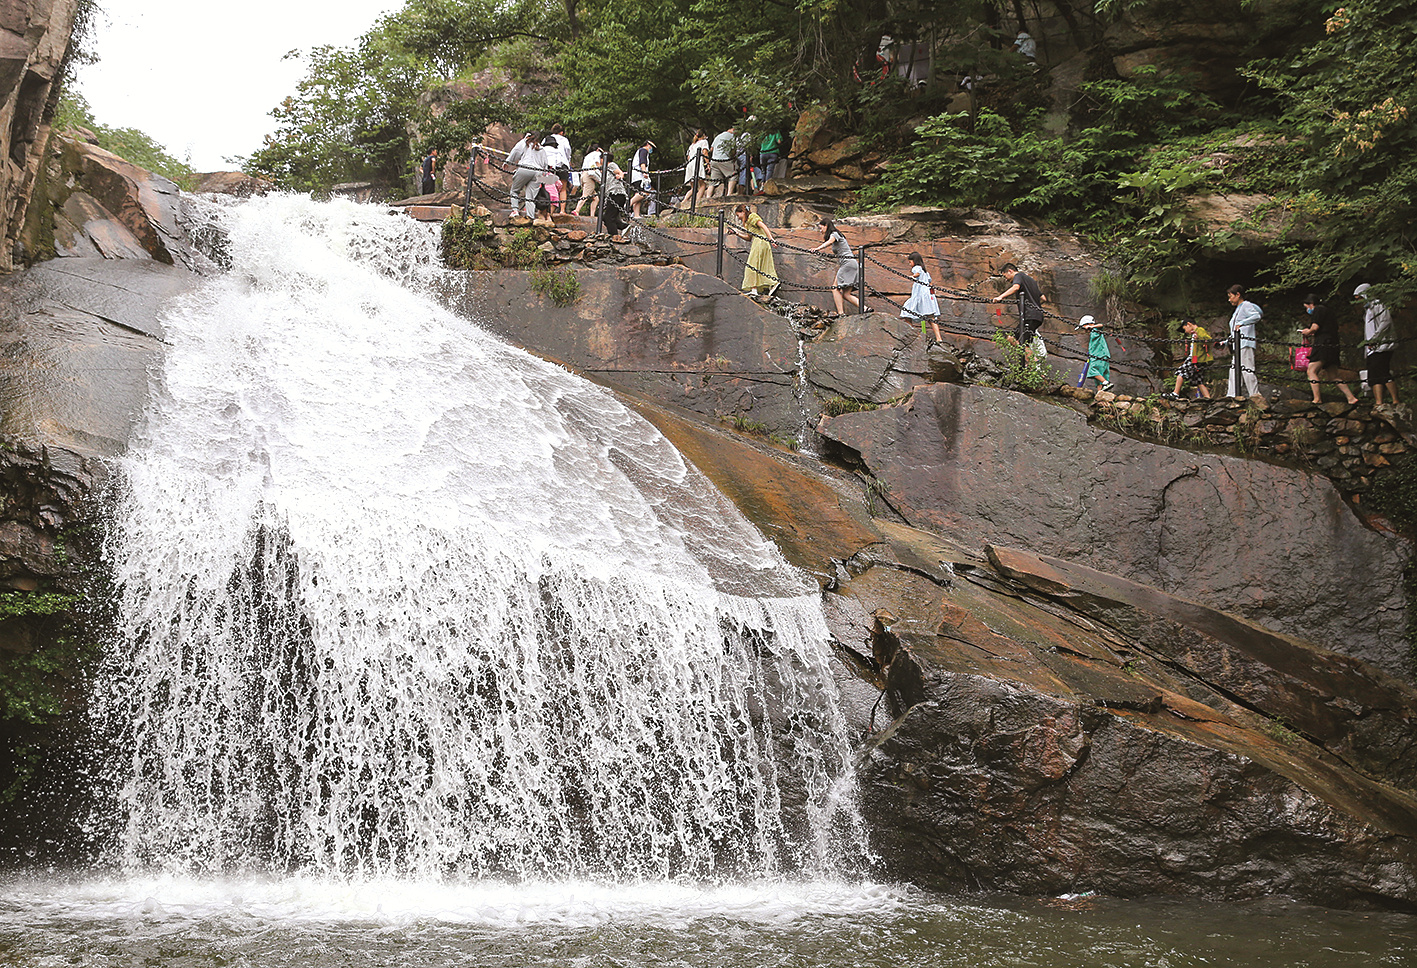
x=1323 y=358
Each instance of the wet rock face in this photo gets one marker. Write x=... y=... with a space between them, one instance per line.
x=672 y=335
x=1045 y=727
x=112 y=208
x=1273 y=544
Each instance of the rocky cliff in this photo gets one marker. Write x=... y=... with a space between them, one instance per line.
x=34 y=36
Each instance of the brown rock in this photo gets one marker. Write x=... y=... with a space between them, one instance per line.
x=989 y=466
x=236 y=183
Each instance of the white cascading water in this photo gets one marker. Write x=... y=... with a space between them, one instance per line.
x=400 y=600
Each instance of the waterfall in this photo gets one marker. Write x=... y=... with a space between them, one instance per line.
x=397 y=599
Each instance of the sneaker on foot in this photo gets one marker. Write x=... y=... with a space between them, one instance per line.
x=1105 y=385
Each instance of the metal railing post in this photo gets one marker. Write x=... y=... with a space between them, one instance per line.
x=467 y=196
x=1237 y=373
x=600 y=193
x=722 y=212
x=861 y=276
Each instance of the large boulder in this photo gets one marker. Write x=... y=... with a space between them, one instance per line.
x=144 y=204
x=1274 y=544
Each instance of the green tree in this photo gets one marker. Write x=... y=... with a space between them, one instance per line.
x=129 y=144
x=349 y=118
x=1352 y=97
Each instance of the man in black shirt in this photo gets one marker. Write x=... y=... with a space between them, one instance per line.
x=1030 y=307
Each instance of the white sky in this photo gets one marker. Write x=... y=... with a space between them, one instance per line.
x=200 y=78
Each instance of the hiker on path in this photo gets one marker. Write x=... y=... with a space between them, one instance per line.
x=427 y=182
x=696 y=167
x=640 y=178
x=1030 y=310
x=760 y=274
x=1324 y=360
x=922 y=304
x=721 y=164
x=847 y=271
x=1198 y=358
x=590 y=179
x=1377 y=334
x=1242 y=327
x=1099 y=354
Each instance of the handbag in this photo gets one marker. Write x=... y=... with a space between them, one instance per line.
x=1299 y=357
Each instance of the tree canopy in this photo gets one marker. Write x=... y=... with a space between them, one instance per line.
x=1330 y=107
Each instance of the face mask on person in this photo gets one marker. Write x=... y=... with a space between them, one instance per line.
x=1309 y=310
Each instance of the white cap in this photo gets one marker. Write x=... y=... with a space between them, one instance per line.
x=1362 y=288
x=1085 y=321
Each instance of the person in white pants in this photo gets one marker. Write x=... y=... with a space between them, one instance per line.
x=1243 y=321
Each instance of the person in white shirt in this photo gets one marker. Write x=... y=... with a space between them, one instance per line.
x=558 y=152
x=530 y=173
x=1377 y=335
x=697 y=166
x=590 y=180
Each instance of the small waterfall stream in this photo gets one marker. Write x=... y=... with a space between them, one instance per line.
x=400 y=600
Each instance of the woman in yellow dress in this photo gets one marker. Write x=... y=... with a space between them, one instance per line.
x=760 y=276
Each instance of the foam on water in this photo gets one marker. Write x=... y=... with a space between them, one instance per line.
x=248 y=904
x=399 y=600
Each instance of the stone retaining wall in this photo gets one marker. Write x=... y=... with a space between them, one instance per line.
x=1348 y=443
x=488 y=240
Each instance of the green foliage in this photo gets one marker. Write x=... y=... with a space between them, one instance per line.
x=561 y=286
x=1394 y=495
x=1020 y=373
x=348 y=120
x=683 y=220
x=464 y=242
x=464 y=121
x=1352 y=97
x=130 y=144
x=837 y=406
x=522 y=251
x=35 y=683
x=1104 y=177
x=450 y=35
